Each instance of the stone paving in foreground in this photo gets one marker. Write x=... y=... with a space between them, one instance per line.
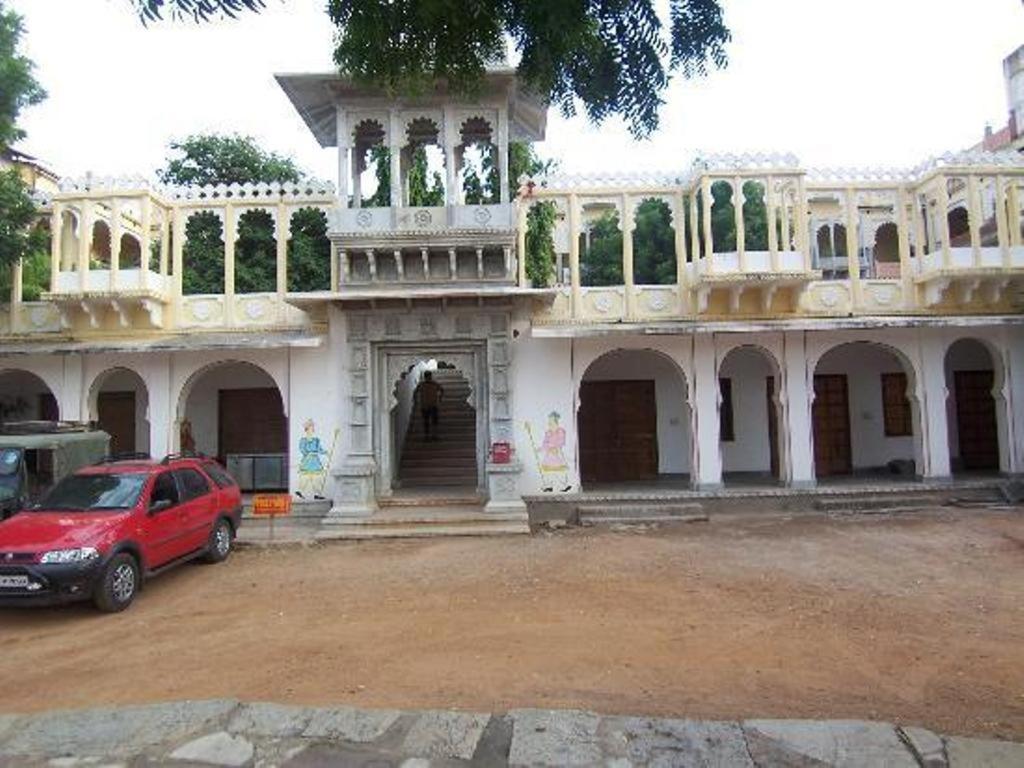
x=231 y=733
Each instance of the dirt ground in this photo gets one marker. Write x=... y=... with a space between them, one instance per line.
x=917 y=620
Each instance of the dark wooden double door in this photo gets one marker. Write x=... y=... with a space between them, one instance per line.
x=116 y=416
x=976 y=420
x=618 y=428
x=830 y=416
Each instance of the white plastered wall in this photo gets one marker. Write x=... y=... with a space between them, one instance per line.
x=314 y=384
x=750 y=451
x=542 y=384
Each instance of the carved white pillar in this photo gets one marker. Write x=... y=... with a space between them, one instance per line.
x=503 y=179
x=395 y=141
x=341 y=128
x=931 y=384
x=626 y=225
x=903 y=244
x=84 y=243
x=56 y=238
x=281 y=241
x=451 y=166
x=707 y=467
x=709 y=240
x=738 y=198
x=974 y=218
x=1002 y=224
x=145 y=240
x=853 y=245
x=574 y=257
x=942 y=197
x=229 y=265
x=770 y=212
x=334 y=267
x=521 y=212
x=798 y=393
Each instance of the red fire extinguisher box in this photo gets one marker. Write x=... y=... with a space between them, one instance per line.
x=501 y=453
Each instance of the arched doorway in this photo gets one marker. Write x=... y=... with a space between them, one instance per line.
x=749 y=416
x=974 y=407
x=24 y=396
x=633 y=420
x=119 y=405
x=865 y=417
x=234 y=411
x=434 y=428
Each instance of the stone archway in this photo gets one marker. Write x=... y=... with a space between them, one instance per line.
x=633 y=419
x=866 y=417
x=397 y=364
x=975 y=407
x=751 y=416
x=119 y=403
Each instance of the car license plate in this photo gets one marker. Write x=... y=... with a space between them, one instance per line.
x=13 y=582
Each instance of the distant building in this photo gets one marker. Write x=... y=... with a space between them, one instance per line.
x=34 y=173
x=1011 y=135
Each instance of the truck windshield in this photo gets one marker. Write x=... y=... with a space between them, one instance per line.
x=90 y=492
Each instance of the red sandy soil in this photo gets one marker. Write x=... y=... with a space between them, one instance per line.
x=916 y=619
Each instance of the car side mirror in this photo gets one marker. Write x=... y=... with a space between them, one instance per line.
x=159 y=506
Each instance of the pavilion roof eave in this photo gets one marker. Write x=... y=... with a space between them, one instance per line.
x=315 y=96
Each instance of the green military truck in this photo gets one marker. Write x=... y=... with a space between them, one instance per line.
x=36 y=454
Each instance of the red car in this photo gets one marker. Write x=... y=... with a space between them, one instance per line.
x=100 y=531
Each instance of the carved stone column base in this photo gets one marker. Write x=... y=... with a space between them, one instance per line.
x=355 y=495
x=503 y=488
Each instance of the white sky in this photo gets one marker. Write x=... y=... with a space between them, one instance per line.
x=837 y=82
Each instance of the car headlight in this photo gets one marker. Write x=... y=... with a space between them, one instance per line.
x=65 y=556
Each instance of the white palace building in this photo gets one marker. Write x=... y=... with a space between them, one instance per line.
x=845 y=329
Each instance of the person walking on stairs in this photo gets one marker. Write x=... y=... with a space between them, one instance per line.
x=429 y=395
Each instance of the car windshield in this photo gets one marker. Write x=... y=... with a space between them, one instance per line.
x=91 y=492
x=9 y=458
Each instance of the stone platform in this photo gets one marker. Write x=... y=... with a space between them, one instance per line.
x=232 y=733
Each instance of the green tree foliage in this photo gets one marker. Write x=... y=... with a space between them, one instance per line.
x=203 y=254
x=256 y=253
x=210 y=158
x=654 y=244
x=18 y=85
x=755 y=217
x=601 y=263
x=218 y=159
x=611 y=56
x=723 y=217
x=20 y=238
x=423 y=190
x=309 y=252
x=540 y=243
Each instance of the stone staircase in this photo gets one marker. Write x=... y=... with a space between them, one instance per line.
x=625 y=513
x=450 y=461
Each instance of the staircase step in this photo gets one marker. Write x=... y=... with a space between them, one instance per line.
x=422 y=531
x=638 y=511
x=634 y=519
x=873 y=501
x=432 y=500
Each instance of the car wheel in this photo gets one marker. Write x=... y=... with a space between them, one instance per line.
x=221 y=538
x=118 y=585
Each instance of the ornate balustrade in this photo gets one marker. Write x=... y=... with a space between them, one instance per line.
x=758 y=236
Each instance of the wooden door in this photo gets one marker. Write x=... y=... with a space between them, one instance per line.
x=773 y=427
x=976 y=419
x=618 y=427
x=251 y=421
x=116 y=412
x=831 y=418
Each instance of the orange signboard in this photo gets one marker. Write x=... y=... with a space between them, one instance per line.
x=272 y=504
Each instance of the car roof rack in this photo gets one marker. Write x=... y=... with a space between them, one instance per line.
x=125 y=456
x=182 y=455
